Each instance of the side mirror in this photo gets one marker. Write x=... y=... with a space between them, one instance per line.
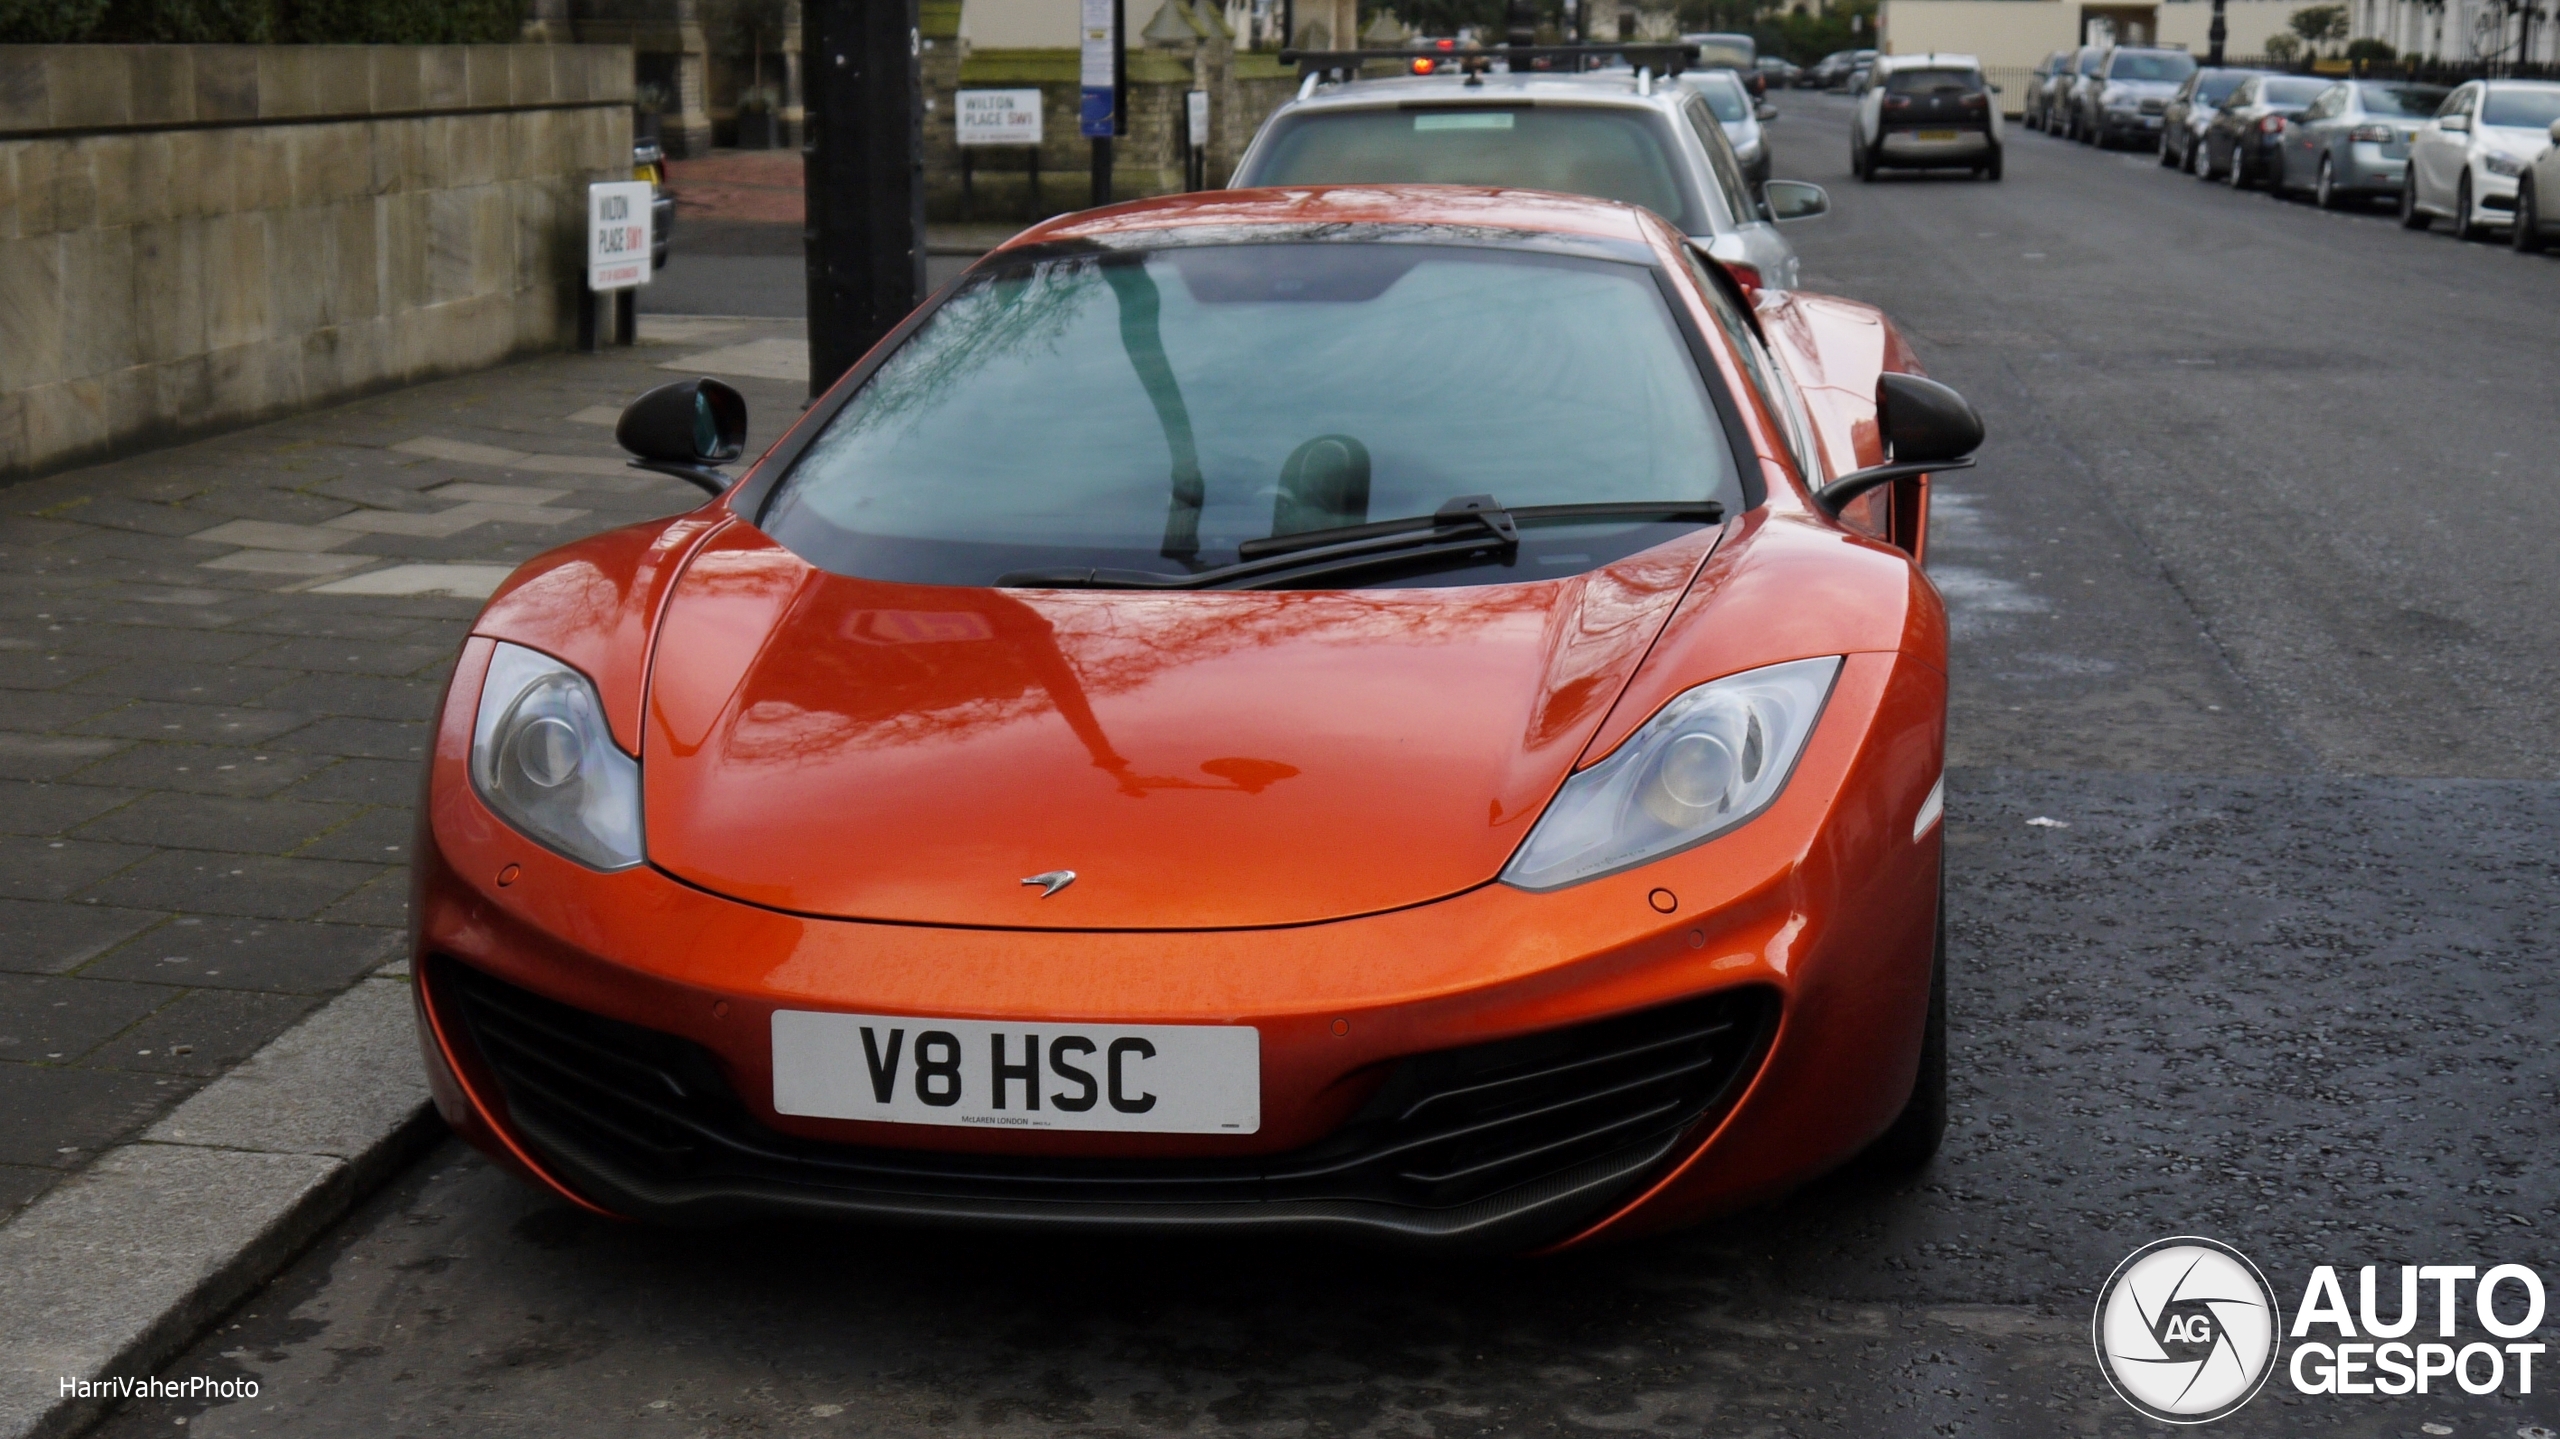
x=1795 y=200
x=1927 y=427
x=1765 y=112
x=2555 y=132
x=685 y=429
x=1997 y=89
x=2456 y=124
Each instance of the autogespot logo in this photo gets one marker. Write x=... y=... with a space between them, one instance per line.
x=2186 y=1329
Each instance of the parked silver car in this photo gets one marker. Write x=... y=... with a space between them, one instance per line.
x=1741 y=115
x=2034 y=107
x=1617 y=135
x=2062 y=100
x=2352 y=143
x=2191 y=109
x=2124 y=100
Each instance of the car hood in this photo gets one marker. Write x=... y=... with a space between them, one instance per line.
x=2146 y=89
x=837 y=746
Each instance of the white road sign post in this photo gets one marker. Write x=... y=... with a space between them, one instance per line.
x=996 y=117
x=620 y=236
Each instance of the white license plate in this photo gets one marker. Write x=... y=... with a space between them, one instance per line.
x=1937 y=135
x=899 y=1069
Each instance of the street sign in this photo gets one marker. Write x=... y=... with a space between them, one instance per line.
x=998 y=117
x=1196 y=115
x=1099 y=74
x=618 y=234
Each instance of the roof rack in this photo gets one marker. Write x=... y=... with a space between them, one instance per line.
x=1662 y=58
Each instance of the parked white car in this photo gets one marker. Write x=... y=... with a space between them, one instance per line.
x=2537 y=212
x=2464 y=163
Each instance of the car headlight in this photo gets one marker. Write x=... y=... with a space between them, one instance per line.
x=543 y=757
x=2502 y=165
x=1712 y=758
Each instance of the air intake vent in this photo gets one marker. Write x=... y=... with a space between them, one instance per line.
x=1537 y=1131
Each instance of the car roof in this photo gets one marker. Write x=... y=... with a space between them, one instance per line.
x=1611 y=88
x=1218 y=215
x=1933 y=60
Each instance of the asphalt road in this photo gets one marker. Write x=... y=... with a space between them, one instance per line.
x=2252 y=838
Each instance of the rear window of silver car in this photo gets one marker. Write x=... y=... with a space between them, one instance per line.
x=2419 y=101
x=1614 y=153
x=2167 y=66
x=2286 y=90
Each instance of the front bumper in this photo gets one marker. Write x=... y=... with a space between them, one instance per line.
x=608 y=1035
x=2493 y=194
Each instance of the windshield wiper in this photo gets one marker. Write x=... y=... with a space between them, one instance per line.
x=1465 y=525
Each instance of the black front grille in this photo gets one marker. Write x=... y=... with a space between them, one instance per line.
x=1494 y=1140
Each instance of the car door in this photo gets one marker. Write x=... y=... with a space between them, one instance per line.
x=2436 y=152
x=2221 y=136
x=2305 y=134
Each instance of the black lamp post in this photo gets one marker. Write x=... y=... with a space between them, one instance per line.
x=863 y=166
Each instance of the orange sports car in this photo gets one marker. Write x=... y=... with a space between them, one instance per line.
x=1397 y=711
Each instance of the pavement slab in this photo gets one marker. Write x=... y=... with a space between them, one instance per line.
x=214 y=662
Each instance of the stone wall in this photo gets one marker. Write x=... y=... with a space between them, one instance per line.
x=196 y=237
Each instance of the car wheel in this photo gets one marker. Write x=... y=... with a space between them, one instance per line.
x=2411 y=217
x=2325 y=193
x=2239 y=175
x=2464 y=227
x=2200 y=159
x=1992 y=170
x=1921 y=1127
x=2167 y=160
x=2525 y=232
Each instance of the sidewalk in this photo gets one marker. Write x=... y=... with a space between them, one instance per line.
x=216 y=667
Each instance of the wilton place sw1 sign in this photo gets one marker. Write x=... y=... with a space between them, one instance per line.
x=618 y=234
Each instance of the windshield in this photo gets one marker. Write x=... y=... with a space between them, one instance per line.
x=2414 y=100
x=2166 y=66
x=1724 y=95
x=2521 y=109
x=1155 y=411
x=1614 y=153
x=2287 y=90
x=1932 y=82
x=2214 y=89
